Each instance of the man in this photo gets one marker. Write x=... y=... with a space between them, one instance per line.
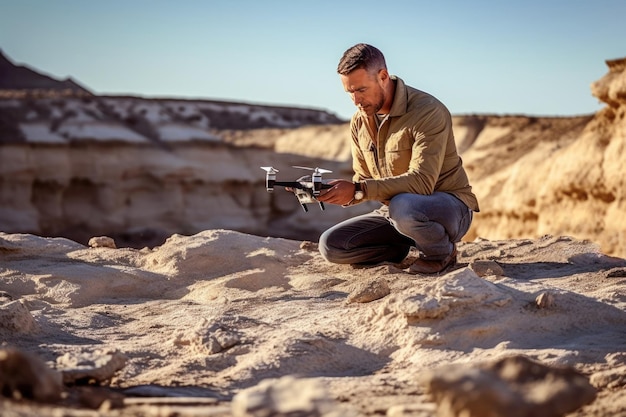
x=404 y=156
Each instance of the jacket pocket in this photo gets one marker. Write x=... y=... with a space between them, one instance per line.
x=398 y=151
x=369 y=153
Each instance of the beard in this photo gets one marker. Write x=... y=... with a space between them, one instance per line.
x=370 y=109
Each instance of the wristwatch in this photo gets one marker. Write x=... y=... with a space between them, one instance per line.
x=358 y=192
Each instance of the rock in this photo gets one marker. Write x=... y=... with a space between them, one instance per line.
x=207 y=339
x=456 y=290
x=515 y=386
x=616 y=359
x=545 y=299
x=98 y=366
x=102 y=242
x=411 y=410
x=367 y=291
x=309 y=246
x=5 y=297
x=222 y=340
x=97 y=398
x=287 y=396
x=611 y=88
x=611 y=378
x=485 y=268
x=15 y=317
x=7 y=246
x=26 y=376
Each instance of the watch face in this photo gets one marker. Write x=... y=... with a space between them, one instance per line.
x=358 y=195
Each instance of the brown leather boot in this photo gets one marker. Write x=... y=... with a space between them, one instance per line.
x=422 y=266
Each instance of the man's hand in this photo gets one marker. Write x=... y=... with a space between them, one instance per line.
x=341 y=192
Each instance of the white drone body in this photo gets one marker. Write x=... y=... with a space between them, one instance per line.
x=306 y=188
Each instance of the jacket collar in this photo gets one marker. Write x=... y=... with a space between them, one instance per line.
x=400 y=98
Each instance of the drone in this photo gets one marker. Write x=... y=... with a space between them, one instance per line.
x=306 y=188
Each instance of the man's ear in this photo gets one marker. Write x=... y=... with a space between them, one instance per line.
x=383 y=75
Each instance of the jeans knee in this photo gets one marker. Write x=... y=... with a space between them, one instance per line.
x=323 y=245
x=328 y=252
x=464 y=225
x=403 y=213
x=398 y=204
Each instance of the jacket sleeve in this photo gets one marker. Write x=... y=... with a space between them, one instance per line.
x=430 y=137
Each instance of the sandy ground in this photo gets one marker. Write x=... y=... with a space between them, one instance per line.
x=206 y=322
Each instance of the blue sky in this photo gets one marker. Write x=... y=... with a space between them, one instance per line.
x=524 y=57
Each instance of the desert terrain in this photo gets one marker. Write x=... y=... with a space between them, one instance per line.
x=145 y=270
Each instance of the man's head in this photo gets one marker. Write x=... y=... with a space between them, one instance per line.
x=364 y=76
x=363 y=56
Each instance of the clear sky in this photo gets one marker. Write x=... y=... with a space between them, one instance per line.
x=535 y=57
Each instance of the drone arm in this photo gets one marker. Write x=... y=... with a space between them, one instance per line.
x=290 y=184
x=299 y=185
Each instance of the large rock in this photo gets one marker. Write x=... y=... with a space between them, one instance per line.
x=287 y=396
x=25 y=376
x=515 y=386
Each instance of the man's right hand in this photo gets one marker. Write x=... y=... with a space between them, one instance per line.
x=341 y=193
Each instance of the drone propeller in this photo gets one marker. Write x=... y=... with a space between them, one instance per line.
x=317 y=170
x=270 y=178
x=270 y=170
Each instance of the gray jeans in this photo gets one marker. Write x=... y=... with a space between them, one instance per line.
x=431 y=223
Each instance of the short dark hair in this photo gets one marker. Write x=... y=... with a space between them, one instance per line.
x=363 y=56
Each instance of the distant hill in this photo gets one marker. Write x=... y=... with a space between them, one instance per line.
x=19 y=77
x=32 y=97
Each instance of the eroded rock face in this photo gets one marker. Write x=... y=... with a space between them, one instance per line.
x=611 y=88
x=140 y=170
x=140 y=195
x=565 y=177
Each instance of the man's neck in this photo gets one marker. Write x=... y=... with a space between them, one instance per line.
x=390 y=93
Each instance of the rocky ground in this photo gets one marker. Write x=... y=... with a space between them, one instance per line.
x=223 y=323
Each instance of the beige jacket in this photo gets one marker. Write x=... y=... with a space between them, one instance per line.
x=411 y=150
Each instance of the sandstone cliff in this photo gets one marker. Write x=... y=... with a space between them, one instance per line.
x=562 y=176
x=141 y=169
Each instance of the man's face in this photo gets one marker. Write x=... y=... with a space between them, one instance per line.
x=366 y=90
